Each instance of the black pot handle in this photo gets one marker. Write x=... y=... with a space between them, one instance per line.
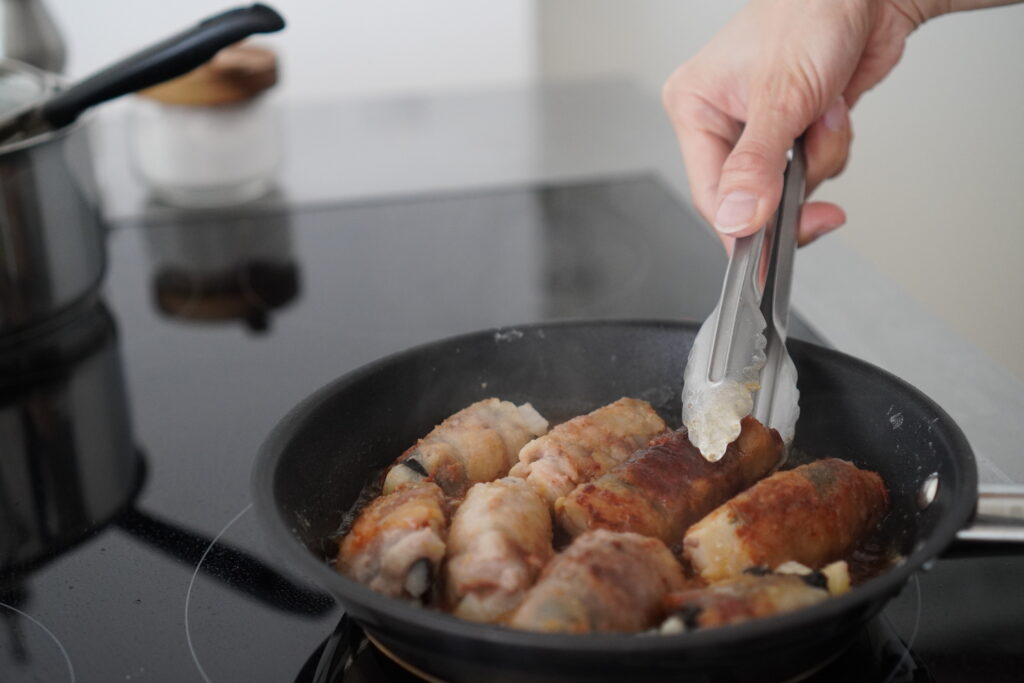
x=998 y=524
x=168 y=59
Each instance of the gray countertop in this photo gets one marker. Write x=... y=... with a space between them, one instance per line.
x=361 y=149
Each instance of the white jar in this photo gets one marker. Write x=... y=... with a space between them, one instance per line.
x=211 y=137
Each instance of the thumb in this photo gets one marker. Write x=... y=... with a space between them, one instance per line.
x=751 y=182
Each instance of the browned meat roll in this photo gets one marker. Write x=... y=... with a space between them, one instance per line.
x=604 y=581
x=478 y=443
x=499 y=540
x=746 y=597
x=586 y=447
x=397 y=542
x=666 y=487
x=813 y=514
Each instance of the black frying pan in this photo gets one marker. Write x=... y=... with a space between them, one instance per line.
x=316 y=461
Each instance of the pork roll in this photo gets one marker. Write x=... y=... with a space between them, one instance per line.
x=604 y=581
x=749 y=596
x=664 y=488
x=499 y=540
x=586 y=447
x=813 y=514
x=397 y=543
x=478 y=443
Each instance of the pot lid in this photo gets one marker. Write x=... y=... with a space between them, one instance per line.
x=237 y=73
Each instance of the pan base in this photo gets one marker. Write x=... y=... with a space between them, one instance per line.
x=350 y=655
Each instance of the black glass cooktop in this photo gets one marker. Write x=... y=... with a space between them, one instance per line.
x=128 y=547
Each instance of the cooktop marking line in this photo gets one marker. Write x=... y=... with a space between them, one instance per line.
x=53 y=637
x=913 y=632
x=188 y=595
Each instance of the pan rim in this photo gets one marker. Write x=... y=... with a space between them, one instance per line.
x=755 y=634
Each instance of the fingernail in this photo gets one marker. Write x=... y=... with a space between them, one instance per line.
x=835 y=117
x=736 y=211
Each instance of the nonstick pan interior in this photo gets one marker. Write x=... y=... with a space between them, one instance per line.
x=317 y=461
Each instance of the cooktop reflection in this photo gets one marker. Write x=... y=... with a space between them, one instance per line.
x=128 y=548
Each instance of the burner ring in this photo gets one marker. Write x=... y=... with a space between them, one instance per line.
x=192 y=583
x=401 y=662
x=50 y=634
x=906 y=656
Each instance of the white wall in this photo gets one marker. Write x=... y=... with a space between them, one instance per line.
x=333 y=48
x=935 y=187
x=932 y=191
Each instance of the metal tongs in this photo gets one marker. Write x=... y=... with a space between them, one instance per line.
x=739 y=365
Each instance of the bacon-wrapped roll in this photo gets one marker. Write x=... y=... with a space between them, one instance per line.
x=397 y=542
x=745 y=597
x=478 y=443
x=664 y=488
x=499 y=540
x=604 y=581
x=813 y=514
x=586 y=447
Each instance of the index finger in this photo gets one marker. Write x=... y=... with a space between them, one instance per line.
x=706 y=137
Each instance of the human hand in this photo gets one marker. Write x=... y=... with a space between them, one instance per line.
x=777 y=69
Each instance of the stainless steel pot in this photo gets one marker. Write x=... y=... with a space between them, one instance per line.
x=51 y=233
x=52 y=255
x=69 y=463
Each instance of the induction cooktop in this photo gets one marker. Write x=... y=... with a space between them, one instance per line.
x=128 y=547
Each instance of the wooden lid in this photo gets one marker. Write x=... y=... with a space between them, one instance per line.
x=235 y=74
